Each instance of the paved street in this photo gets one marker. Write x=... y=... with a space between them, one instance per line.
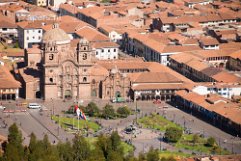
x=40 y=124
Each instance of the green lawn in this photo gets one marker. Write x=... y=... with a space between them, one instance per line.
x=166 y=154
x=186 y=143
x=67 y=123
x=126 y=147
x=157 y=122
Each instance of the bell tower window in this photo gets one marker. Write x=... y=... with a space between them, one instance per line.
x=84 y=79
x=84 y=56
x=51 y=56
x=51 y=80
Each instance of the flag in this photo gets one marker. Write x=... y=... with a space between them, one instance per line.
x=75 y=107
x=82 y=115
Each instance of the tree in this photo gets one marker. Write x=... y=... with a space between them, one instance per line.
x=195 y=139
x=108 y=112
x=104 y=144
x=173 y=134
x=81 y=148
x=65 y=151
x=114 y=155
x=42 y=150
x=171 y=158
x=142 y=157
x=211 y=142
x=152 y=155
x=14 y=150
x=123 y=111
x=115 y=141
x=92 y=109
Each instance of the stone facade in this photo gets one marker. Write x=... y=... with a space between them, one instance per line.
x=66 y=72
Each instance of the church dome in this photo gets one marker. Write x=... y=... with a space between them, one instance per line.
x=56 y=35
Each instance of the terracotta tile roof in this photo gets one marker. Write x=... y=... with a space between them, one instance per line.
x=236 y=55
x=224 y=76
x=5 y=22
x=233 y=45
x=211 y=71
x=157 y=86
x=91 y=34
x=34 y=50
x=98 y=70
x=224 y=108
x=208 y=41
x=70 y=8
x=177 y=49
x=104 y=45
x=94 y=12
x=7 y=81
x=34 y=24
x=156 y=77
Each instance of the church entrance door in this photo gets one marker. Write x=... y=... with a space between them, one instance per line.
x=68 y=94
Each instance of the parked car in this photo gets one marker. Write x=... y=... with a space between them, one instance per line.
x=34 y=106
x=2 y=107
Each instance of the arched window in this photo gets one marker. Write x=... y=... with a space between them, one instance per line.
x=84 y=56
x=84 y=79
x=51 y=56
x=51 y=80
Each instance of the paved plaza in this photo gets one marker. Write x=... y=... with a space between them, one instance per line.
x=40 y=123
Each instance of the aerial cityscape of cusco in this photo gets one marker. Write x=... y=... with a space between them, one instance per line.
x=120 y=80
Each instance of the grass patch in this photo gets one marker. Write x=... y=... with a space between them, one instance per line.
x=9 y=49
x=66 y=123
x=186 y=143
x=156 y=122
x=167 y=154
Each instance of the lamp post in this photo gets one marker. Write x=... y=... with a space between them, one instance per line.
x=161 y=141
x=136 y=112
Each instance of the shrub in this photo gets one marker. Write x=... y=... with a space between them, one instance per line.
x=211 y=142
x=123 y=111
x=92 y=109
x=173 y=134
x=108 y=112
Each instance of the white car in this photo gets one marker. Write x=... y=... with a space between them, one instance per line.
x=34 y=106
x=2 y=107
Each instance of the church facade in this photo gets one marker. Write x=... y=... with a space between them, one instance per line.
x=65 y=71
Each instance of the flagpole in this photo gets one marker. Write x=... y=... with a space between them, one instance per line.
x=78 y=123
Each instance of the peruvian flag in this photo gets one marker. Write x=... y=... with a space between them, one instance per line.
x=75 y=107
x=82 y=115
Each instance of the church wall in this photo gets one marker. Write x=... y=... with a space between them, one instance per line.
x=84 y=91
x=50 y=92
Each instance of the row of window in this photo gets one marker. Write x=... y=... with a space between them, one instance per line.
x=39 y=31
x=39 y=37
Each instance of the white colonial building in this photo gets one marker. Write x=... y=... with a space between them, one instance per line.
x=224 y=90
x=29 y=36
x=105 y=50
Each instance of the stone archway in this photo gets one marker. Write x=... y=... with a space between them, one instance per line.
x=117 y=94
